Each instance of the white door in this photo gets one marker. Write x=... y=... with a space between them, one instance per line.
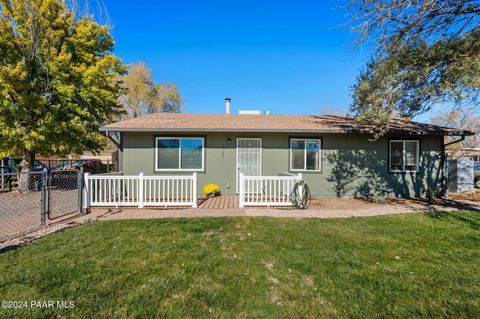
x=249 y=157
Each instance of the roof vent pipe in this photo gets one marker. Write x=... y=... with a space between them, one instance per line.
x=268 y=112
x=227 y=105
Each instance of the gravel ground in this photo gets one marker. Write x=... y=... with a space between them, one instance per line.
x=355 y=207
x=27 y=236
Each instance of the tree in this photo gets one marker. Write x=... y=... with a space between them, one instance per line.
x=143 y=96
x=58 y=79
x=167 y=99
x=425 y=53
x=463 y=119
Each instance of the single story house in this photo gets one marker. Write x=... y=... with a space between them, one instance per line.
x=333 y=155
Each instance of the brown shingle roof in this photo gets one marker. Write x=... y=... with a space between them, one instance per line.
x=178 y=122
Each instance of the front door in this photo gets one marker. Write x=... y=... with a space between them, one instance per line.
x=249 y=157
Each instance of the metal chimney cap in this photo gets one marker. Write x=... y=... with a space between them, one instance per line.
x=227 y=105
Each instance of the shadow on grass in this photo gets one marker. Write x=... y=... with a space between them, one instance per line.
x=9 y=248
x=472 y=218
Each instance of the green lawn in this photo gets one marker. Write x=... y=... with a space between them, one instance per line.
x=378 y=267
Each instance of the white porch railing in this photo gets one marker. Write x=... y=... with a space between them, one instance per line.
x=140 y=190
x=267 y=190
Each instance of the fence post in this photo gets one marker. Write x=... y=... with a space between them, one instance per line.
x=194 y=190
x=87 y=190
x=140 y=190
x=445 y=174
x=43 y=213
x=80 y=189
x=241 y=203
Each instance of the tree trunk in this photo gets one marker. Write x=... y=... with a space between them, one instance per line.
x=26 y=166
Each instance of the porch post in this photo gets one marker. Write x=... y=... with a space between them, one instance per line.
x=140 y=190
x=194 y=190
x=241 y=203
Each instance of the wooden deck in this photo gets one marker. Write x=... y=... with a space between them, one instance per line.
x=219 y=202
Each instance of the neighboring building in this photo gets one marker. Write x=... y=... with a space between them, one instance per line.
x=108 y=157
x=472 y=154
x=105 y=156
x=334 y=156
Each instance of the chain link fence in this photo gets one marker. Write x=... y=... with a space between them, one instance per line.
x=29 y=200
x=5 y=184
x=20 y=209
x=64 y=197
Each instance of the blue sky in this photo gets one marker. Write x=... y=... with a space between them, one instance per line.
x=282 y=56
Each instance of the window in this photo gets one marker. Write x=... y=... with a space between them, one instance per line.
x=179 y=153
x=305 y=154
x=404 y=155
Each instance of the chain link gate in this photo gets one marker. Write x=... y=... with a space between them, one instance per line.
x=28 y=199
x=63 y=193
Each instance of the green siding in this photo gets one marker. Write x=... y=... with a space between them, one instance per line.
x=351 y=164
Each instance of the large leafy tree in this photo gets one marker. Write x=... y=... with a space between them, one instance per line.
x=58 y=79
x=143 y=96
x=425 y=53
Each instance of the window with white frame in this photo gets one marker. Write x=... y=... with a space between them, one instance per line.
x=179 y=153
x=404 y=155
x=305 y=154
